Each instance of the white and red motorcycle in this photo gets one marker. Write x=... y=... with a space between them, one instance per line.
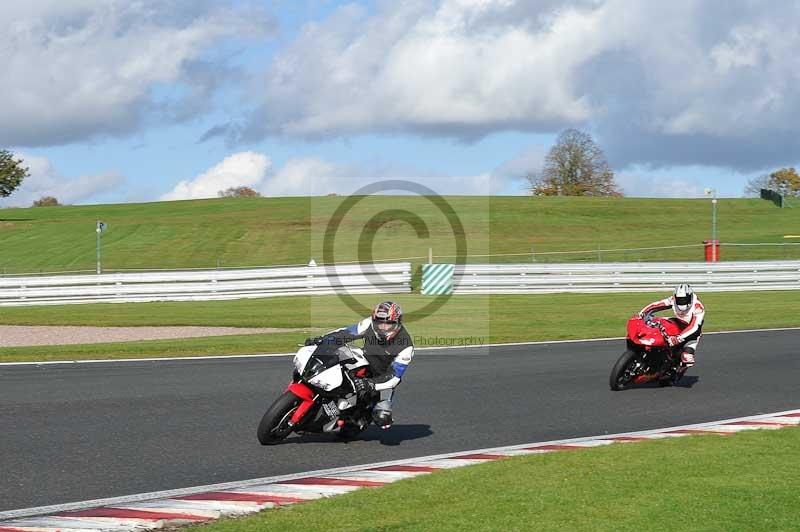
x=321 y=396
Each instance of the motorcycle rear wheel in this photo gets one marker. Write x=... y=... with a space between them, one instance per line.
x=615 y=380
x=274 y=425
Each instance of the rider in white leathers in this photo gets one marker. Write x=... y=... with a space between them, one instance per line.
x=689 y=314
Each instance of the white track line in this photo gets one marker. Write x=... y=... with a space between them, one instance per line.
x=272 y=355
x=283 y=486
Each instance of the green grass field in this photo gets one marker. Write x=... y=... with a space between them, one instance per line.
x=270 y=231
x=487 y=319
x=734 y=483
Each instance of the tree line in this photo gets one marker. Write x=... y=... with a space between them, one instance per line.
x=785 y=181
x=574 y=166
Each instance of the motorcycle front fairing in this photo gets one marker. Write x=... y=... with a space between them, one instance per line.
x=319 y=379
x=644 y=336
x=648 y=339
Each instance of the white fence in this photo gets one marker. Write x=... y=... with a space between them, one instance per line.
x=624 y=277
x=205 y=285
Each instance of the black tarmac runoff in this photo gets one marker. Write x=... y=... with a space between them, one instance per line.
x=75 y=432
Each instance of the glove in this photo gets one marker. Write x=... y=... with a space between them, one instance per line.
x=314 y=341
x=363 y=386
x=673 y=341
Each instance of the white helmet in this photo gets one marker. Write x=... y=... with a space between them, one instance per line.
x=682 y=299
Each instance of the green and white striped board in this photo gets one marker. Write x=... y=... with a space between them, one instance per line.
x=437 y=279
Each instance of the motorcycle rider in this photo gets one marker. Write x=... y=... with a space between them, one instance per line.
x=689 y=314
x=388 y=349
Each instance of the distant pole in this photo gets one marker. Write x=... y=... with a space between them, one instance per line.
x=714 y=228
x=100 y=227
x=713 y=193
x=430 y=255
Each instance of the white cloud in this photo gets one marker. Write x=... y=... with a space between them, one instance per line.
x=316 y=177
x=75 y=69
x=667 y=83
x=240 y=169
x=418 y=66
x=46 y=180
x=312 y=176
x=664 y=186
x=304 y=177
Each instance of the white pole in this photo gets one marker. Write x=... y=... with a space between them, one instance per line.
x=714 y=228
x=430 y=255
x=98 y=231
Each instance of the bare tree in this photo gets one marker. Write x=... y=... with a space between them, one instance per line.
x=238 y=192
x=784 y=180
x=574 y=166
x=754 y=186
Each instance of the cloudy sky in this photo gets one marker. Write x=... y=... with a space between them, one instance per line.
x=136 y=100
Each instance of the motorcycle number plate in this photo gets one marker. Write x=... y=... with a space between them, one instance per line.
x=331 y=409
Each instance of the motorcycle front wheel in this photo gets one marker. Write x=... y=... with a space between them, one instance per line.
x=274 y=426
x=621 y=376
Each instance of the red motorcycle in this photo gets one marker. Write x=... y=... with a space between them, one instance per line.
x=649 y=357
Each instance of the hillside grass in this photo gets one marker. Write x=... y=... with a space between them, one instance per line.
x=709 y=483
x=243 y=232
x=463 y=319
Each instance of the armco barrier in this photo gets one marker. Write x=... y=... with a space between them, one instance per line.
x=205 y=285
x=624 y=277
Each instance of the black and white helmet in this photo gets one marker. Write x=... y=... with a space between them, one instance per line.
x=683 y=299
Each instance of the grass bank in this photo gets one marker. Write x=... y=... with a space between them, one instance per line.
x=487 y=319
x=682 y=484
x=268 y=231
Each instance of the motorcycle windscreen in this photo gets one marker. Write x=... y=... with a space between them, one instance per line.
x=328 y=380
x=322 y=357
x=302 y=357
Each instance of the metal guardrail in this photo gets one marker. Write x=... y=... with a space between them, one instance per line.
x=205 y=285
x=624 y=277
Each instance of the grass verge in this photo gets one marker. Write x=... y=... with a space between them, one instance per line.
x=710 y=483
x=463 y=319
x=267 y=231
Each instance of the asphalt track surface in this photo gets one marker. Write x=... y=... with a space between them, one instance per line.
x=77 y=432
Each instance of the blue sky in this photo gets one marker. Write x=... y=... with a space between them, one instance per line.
x=113 y=101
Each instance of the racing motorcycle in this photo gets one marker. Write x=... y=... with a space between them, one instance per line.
x=649 y=356
x=321 y=396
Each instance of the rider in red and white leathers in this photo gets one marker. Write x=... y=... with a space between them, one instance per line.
x=689 y=314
